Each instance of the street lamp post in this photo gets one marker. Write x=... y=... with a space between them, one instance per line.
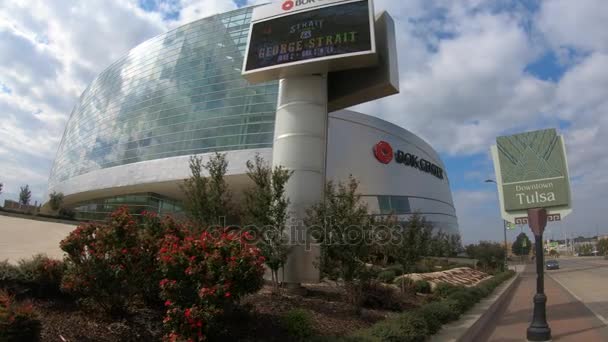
x=504 y=228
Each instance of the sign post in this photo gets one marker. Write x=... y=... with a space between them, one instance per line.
x=533 y=182
x=539 y=329
x=301 y=43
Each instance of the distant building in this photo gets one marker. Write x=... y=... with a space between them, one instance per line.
x=16 y=206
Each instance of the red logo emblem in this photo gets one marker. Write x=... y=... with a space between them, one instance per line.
x=383 y=152
x=287 y=5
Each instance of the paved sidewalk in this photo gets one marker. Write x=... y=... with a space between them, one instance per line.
x=22 y=238
x=569 y=319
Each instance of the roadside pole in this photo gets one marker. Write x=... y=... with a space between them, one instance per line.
x=539 y=329
x=504 y=228
x=533 y=182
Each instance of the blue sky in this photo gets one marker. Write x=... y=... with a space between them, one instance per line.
x=470 y=70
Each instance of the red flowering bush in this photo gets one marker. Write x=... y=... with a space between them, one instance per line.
x=114 y=264
x=41 y=275
x=203 y=276
x=18 y=321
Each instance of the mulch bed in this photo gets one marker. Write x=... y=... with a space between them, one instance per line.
x=63 y=320
x=258 y=320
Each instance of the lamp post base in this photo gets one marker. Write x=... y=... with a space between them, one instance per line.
x=539 y=329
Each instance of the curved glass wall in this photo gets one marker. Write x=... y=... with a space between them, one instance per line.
x=180 y=93
x=99 y=209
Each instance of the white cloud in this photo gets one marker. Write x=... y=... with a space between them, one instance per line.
x=463 y=77
x=579 y=24
x=474 y=86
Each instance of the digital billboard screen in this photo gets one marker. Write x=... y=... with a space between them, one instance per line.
x=306 y=36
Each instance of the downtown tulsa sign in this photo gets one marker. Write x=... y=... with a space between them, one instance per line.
x=383 y=151
x=532 y=172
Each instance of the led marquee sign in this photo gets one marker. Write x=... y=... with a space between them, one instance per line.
x=311 y=40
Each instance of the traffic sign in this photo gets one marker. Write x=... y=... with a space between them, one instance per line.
x=532 y=172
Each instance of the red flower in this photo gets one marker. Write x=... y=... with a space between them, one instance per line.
x=187 y=313
x=168 y=303
x=124 y=251
x=163 y=282
x=227 y=295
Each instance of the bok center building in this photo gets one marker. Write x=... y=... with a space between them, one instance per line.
x=130 y=136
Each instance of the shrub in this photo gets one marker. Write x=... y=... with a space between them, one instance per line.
x=406 y=282
x=9 y=274
x=18 y=322
x=397 y=268
x=422 y=286
x=407 y=327
x=433 y=322
x=41 y=275
x=387 y=276
x=202 y=277
x=443 y=290
x=440 y=310
x=114 y=264
x=379 y=296
x=67 y=213
x=465 y=298
x=298 y=324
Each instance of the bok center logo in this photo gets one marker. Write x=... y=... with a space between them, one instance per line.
x=288 y=5
x=383 y=151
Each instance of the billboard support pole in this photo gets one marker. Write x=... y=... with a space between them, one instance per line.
x=506 y=261
x=300 y=145
x=539 y=329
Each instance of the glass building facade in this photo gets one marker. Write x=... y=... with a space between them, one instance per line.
x=99 y=209
x=180 y=93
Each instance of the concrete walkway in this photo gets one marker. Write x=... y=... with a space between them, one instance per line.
x=23 y=238
x=569 y=319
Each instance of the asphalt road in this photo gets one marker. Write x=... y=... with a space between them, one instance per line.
x=586 y=278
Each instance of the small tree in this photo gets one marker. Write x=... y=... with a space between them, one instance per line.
x=266 y=210
x=584 y=249
x=25 y=195
x=1 y=185
x=412 y=244
x=522 y=245
x=602 y=247
x=56 y=200
x=455 y=245
x=490 y=255
x=341 y=225
x=207 y=198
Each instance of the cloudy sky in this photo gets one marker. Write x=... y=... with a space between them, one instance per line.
x=471 y=70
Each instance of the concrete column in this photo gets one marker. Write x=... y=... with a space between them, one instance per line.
x=300 y=145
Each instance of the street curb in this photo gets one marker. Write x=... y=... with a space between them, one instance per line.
x=471 y=324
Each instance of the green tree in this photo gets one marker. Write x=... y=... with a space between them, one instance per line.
x=455 y=245
x=207 y=198
x=25 y=195
x=490 y=255
x=439 y=245
x=584 y=249
x=1 y=185
x=56 y=200
x=266 y=210
x=412 y=243
x=522 y=245
x=602 y=247
x=342 y=227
